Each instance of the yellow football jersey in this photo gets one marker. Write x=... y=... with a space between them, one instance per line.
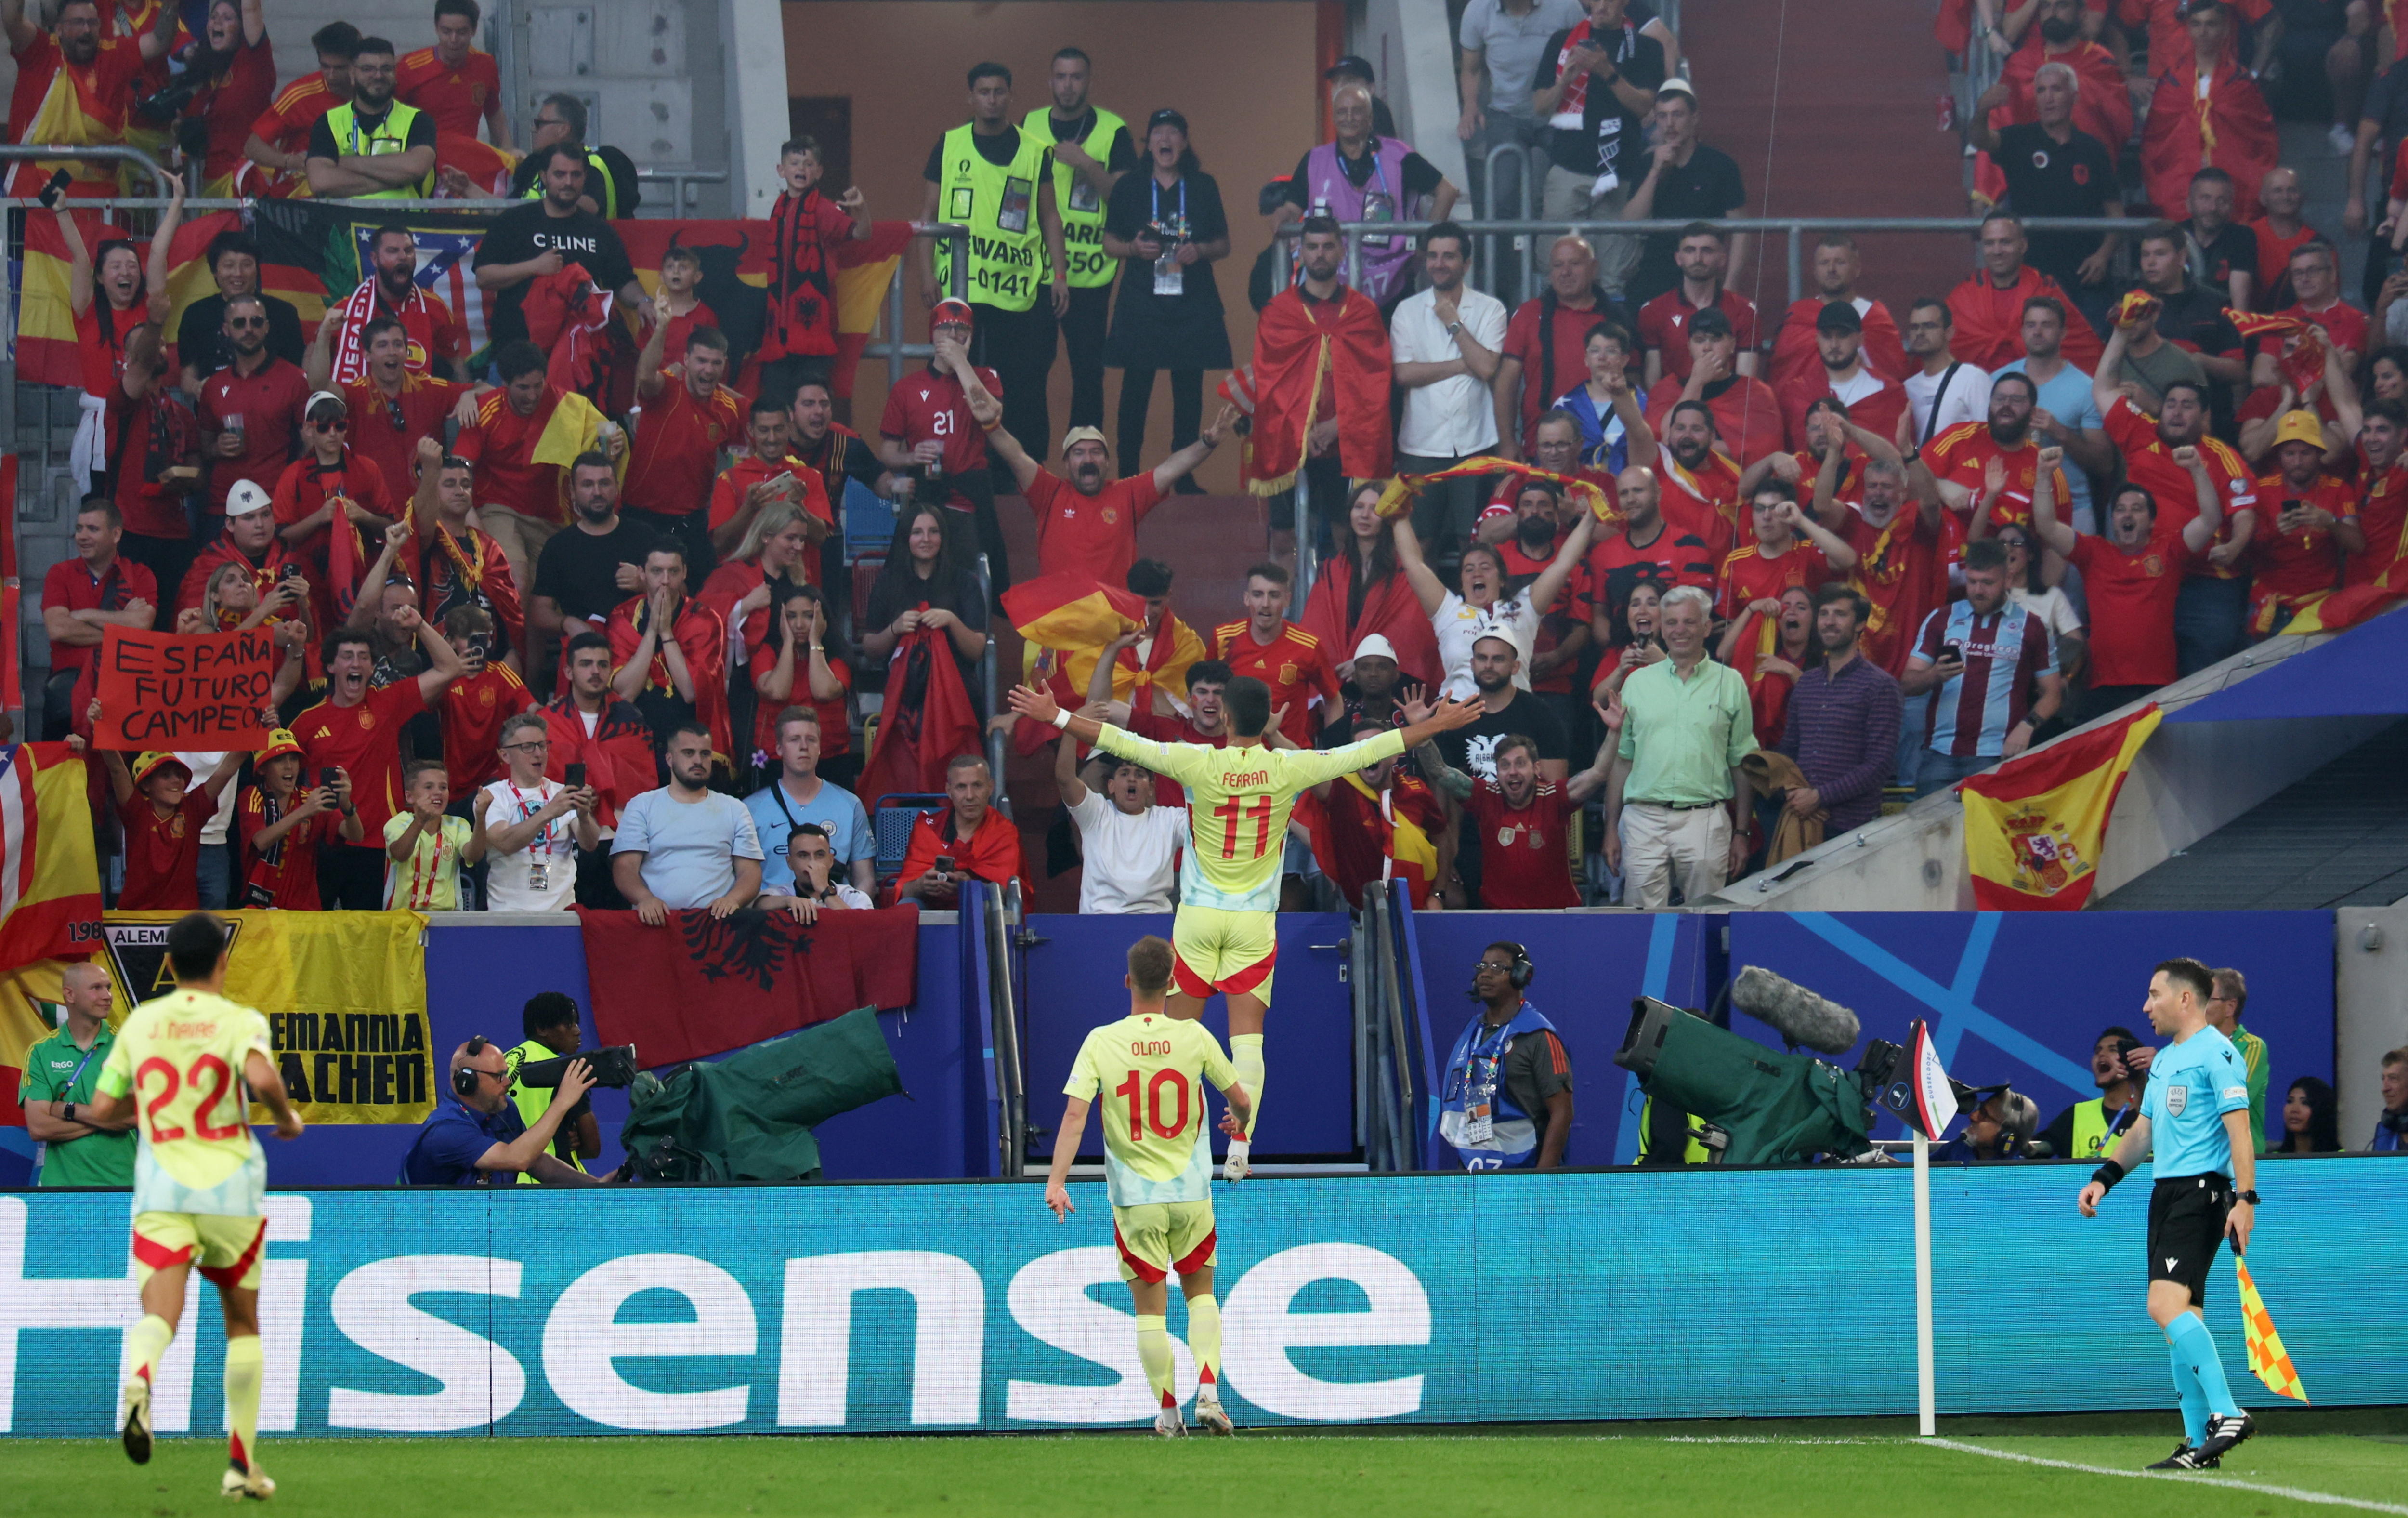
x=181 y=1057
x=1143 y=1073
x=1238 y=804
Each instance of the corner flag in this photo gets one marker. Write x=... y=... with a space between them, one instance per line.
x=2268 y=1360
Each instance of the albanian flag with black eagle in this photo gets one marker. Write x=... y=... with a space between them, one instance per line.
x=703 y=985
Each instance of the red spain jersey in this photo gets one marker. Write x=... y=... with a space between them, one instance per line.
x=1524 y=851
x=298 y=106
x=501 y=445
x=2290 y=566
x=1963 y=454
x=1293 y=664
x=365 y=740
x=455 y=97
x=385 y=429
x=1749 y=576
x=1704 y=499
x=676 y=447
x=2150 y=464
x=2383 y=516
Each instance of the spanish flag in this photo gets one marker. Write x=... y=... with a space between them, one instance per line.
x=12 y=696
x=2268 y=1360
x=1067 y=610
x=46 y=331
x=2333 y=611
x=50 y=877
x=2035 y=826
x=864 y=270
x=29 y=999
x=1401 y=490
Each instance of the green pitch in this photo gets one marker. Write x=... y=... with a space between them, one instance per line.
x=2306 y=1463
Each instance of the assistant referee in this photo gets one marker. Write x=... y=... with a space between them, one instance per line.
x=2196 y=1104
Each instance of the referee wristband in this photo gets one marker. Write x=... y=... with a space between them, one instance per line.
x=1061 y=719
x=2108 y=1174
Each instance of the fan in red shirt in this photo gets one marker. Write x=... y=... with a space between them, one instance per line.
x=1086 y=524
x=247 y=411
x=279 y=146
x=791 y=665
x=1960 y=459
x=249 y=539
x=1755 y=576
x=2281 y=196
x=2149 y=444
x=1537 y=536
x=1747 y=415
x=1650 y=549
x=1701 y=481
x=452 y=80
x=682 y=677
x=1282 y=655
x=1546 y=352
x=392 y=407
x=98 y=588
x=688 y=312
x=1703 y=257
x=1524 y=824
x=2133 y=577
x=434 y=342
x=1986 y=310
x=979 y=840
x=688 y=416
x=455 y=564
x=162 y=813
x=2315 y=281
x=1903 y=541
x=1872 y=402
x=798 y=338
x=75 y=87
x=927 y=421
x=1770 y=649
x=2383 y=511
x=1837 y=268
x=241 y=64
x=359 y=729
x=765 y=472
x=1204 y=722
x=590 y=725
x=520 y=501
x=764 y=567
x=1380 y=823
x=283 y=827
x=478 y=703
x=323 y=500
x=2307 y=522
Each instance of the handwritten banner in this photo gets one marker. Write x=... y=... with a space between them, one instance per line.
x=184 y=690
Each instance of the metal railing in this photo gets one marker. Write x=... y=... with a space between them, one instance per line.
x=684 y=188
x=991 y=682
x=1003 y=1006
x=895 y=350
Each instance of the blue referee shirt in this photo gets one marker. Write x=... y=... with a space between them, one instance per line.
x=2191 y=1085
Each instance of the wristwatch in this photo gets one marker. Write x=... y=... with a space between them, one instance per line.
x=1454 y=328
x=2250 y=1197
x=66 y=1112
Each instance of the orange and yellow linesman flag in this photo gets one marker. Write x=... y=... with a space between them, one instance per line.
x=2268 y=1360
x=1402 y=490
x=2035 y=826
x=50 y=877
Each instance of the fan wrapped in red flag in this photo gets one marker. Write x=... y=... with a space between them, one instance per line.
x=927 y=718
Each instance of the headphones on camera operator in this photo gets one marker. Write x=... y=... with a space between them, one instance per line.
x=463 y=1080
x=1521 y=972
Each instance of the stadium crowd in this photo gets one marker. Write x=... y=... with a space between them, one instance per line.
x=1721 y=579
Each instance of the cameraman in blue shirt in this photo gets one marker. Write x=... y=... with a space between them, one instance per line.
x=475 y=1137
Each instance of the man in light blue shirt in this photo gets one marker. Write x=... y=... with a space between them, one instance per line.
x=2064 y=415
x=685 y=845
x=2195 y=1109
x=797 y=796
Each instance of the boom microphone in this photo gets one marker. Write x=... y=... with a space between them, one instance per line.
x=1797 y=1014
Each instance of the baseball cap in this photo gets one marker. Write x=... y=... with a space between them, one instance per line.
x=2299 y=426
x=279 y=742
x=1375 y=645
x=951 y=310
x=144 y=764
x=1839 y=316
x=1084 y=434
x=317 y=396
x=1677 y=85
x=1713 y=322
x=247 y=496
x=1352 y=67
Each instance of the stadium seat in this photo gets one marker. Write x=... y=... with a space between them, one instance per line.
x=868 y=523
x=892 y=817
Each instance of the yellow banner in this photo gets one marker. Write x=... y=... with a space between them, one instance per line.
x=344 y=993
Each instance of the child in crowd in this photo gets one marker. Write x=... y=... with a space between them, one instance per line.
x=423 y=849
x=283 y=825
x=163 y=813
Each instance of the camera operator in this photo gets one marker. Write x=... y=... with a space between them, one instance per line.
x=1997 y=1129
x=2119 y=1063
x=550 y=1022
x=476 y=1134
x=1508 y=1093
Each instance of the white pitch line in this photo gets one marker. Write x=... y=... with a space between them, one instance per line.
x=2293 y=1493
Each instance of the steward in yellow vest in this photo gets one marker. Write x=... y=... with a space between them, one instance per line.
x=995 y=179
x=371 y=125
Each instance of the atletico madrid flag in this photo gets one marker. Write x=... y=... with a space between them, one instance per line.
x=2268 y=1360
x=2034 y=827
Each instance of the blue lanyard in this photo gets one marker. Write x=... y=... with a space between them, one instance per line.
x=80 y=1066
x=1156 y=186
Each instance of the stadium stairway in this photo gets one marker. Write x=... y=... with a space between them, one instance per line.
x=1832 y=112
x=1210 y=541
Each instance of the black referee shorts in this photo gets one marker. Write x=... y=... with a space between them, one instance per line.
x=2185 y=1228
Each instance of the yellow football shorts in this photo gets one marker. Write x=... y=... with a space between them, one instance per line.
x=227 y=1250
x=1164 y=1238
x=1212 y=949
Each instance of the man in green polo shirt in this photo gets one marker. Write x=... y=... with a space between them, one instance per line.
x=551 y=1024
x=2224 y=1016
x=1676 y=805
x=78 y=1148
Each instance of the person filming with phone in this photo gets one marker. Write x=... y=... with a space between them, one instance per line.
x=970 y=838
